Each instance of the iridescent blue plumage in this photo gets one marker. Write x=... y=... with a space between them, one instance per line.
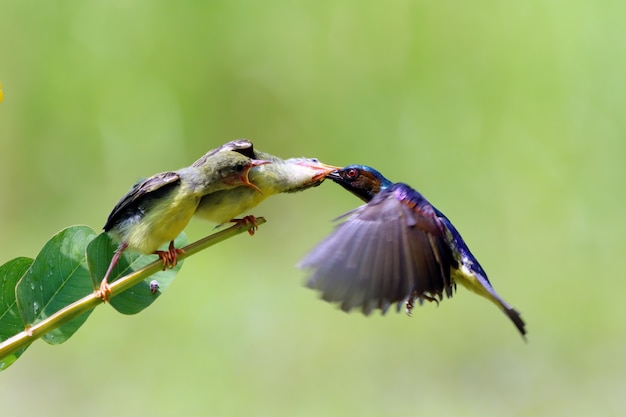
x=397 y=248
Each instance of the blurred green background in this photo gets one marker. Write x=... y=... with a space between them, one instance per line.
x=509 y=116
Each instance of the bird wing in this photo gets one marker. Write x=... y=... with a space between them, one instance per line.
x=242 y=146
x=145 y=189
x=387 y=251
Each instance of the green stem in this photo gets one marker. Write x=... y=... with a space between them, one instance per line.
x=29 y=335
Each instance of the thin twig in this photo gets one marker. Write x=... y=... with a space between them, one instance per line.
x=29 y=335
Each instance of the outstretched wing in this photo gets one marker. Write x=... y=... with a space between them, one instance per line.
x=150 y=188
x=388 y=251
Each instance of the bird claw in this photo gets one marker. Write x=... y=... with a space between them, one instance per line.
x=415 y=296
x=409 y=304
x=250 y=222
x=169 y=257
x=105 y=291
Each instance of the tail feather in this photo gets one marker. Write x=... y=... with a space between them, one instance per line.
x=481 y=286
x=516 y=318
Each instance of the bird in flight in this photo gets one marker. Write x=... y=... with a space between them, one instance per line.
x=397 y=248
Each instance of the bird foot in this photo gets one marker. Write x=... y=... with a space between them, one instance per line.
x=169 y=257
x=105 y=291
x=410 y=302
x=250 y=222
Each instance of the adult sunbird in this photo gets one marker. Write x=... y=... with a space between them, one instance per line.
x=397 y=248
x=156 y=210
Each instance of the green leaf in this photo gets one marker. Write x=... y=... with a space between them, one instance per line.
x=58 y=277
x=135 y=299
x=10 y=320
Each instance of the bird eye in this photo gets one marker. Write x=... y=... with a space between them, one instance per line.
x=352 y=173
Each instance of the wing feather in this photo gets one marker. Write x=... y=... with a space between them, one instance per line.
x=151 y=187
x=385 y=252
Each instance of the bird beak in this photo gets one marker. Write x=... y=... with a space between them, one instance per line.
x=334 y=175
x=321 y=170
x=244 y=176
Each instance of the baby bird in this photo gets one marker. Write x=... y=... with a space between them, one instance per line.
x=156 y=210
x=278 y=176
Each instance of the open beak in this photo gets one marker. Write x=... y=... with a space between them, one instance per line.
x=321 y=170
x=334 y=175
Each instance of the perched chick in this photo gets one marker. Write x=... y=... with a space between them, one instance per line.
x=156 y=210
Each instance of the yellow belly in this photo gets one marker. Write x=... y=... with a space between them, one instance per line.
x=162 y=224
x=478 y=286
x=222 y=206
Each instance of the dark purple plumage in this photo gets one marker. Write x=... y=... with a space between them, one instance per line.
x=397 y=248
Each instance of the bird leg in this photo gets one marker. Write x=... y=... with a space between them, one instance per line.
x=410 y=302
x=248 y=221
x=104 y=292
x=169 y=257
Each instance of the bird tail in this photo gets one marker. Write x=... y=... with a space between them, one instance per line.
x=479 y=285
x=515 y=317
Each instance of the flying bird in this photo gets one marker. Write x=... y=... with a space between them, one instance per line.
x=397 y=248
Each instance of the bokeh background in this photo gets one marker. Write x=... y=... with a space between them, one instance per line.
x=509 y=116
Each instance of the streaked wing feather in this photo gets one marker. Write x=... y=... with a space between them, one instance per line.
x=404 y=266
x=138 y=193
x=418 y=248
x=380 y=255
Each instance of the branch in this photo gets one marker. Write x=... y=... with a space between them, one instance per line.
x=29 y=335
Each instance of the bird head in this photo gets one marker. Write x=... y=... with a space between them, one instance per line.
x=221 y=170
x=237 y=173
x=361 y=180
x=290 y=175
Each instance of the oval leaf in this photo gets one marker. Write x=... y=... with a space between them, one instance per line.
x=10 y=320
x=58 y=277
x=135 y=299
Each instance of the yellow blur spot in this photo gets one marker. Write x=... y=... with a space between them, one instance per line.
x=1 y=93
